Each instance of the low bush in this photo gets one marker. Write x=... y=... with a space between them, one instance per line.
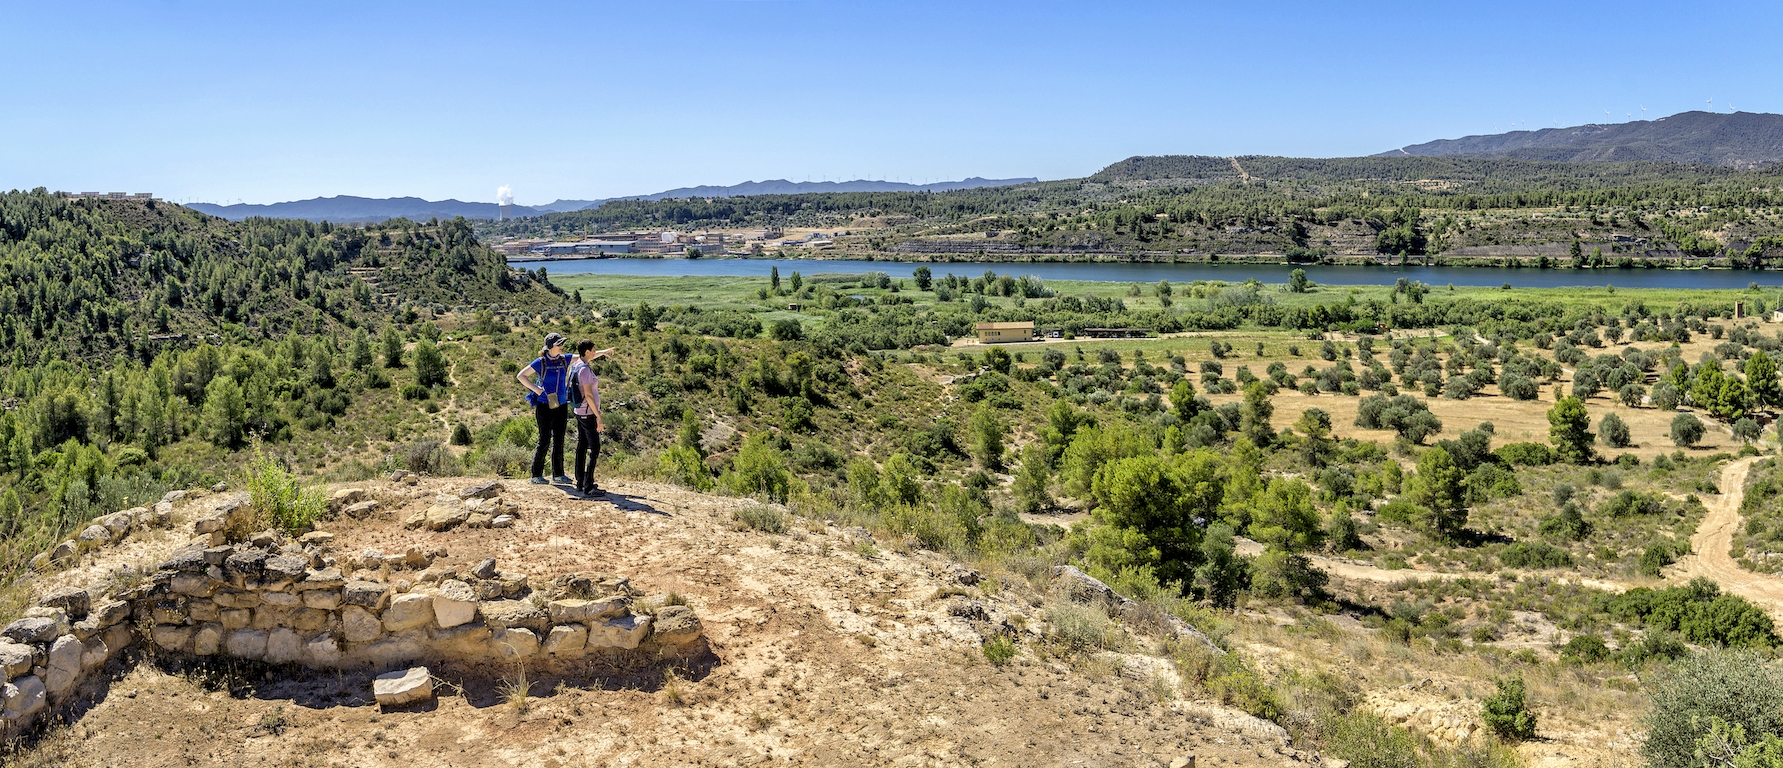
x=280 y=498
x=1505 y=712
x=1739 y=687
x=761 y=517
x=1534 y=555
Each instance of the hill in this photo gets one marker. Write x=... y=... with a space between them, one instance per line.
x=81 y=277
x=347 y=208
x=350 y=209
x=1739 y=140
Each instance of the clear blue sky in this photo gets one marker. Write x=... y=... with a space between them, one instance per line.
x=264 y=102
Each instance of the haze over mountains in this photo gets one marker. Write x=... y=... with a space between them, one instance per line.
x=1739 y=140
x=347 y=208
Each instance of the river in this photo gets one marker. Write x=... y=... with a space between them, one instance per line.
x=1177 y=273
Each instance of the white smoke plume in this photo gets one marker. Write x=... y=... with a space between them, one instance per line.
x=504 y=195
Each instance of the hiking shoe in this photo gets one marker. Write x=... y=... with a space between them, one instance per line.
x=540 y=481
x=561 y=480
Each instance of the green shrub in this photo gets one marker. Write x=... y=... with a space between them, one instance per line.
x=761 y=517
x=1000 y=650
x=1699 y=612
x=1235 y=684
x=1739 y=687
x=280 y=498
x=684 y=467
x=1656 y=558
x=1585 y=649
x=759 y=470
x=1526 y=454
x=1534 y=555
x=1081 y=628
x=461 y=434
x=1505 y=712
x=504 y=459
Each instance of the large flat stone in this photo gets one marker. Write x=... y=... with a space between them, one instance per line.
x=444 y=517
x=515 y=644
x=172 y=638
x=487 y=489
x=64 y=666
x=365 y=594
x=513 y=613
x=585 y=611
x=71 y=600
x=402 y=688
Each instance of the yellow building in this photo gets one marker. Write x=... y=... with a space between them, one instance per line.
x=994 y=333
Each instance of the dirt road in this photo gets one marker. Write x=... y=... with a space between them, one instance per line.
x=1713 y=539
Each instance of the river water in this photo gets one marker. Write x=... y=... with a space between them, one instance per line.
x=1178 y=273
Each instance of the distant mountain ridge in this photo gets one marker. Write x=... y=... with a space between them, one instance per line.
x=1738 y=140
x=347 y=208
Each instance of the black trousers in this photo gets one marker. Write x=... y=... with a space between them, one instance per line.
x=553 y=422
x=588 y=450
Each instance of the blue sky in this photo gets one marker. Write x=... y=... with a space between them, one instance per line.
x=263 y=102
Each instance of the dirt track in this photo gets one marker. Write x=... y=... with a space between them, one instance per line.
x=1713 y=539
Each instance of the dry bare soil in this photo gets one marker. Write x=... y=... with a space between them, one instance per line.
x=826 y=654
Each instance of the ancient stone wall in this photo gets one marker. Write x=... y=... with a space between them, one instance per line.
x=279 y=601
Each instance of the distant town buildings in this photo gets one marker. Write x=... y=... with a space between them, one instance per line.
x=654 y=243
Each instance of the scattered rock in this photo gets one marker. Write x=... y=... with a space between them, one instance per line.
x=344 y=498
x=484 y=490
x=316 y=538
x=399 y=689
x=399 y=475
x=361 y=510
x=502 y=521
x=584 y=611
x=964 y=575
x=64 y=552
x=445 y=518
x=485 y=569
x=173 y=497
x=94 y=534
x=15 y=659
x=220 y=487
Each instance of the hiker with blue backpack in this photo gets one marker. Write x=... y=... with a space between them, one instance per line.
x=547 y=382
x=585 y=398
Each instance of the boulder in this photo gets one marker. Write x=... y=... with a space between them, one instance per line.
x=454 y=604
x=624 y=632
x=567 y=640
x=16 y=659
x=445 y=518
x=316 y=539
x=399 y=475
x=513 y=613
x=33 y=629
x=361 y=510
x=118 y=523
x=323 y=650
x=94 y=535
x=174 y=497
x=478 y=520
x=247 y=644
x=162 y=515
x=485 y=569
x=94 y=652
x=172 y=637
x=64 y=666
x=283 y=646
x=408 y=611
x=24 y=697
x=64 y=552
x=585 y=611
x=675 y=625
x=111 y=612
x=487 y=489
x=515 y=644
x=502 y=521
x=402 y=688
x=208 y=640
x=415 y=521
x=359 y=625
x=73 y=601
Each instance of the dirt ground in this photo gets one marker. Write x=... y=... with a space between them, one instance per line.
x=825 y=655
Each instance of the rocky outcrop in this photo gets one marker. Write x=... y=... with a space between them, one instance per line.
x=1083 y=588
